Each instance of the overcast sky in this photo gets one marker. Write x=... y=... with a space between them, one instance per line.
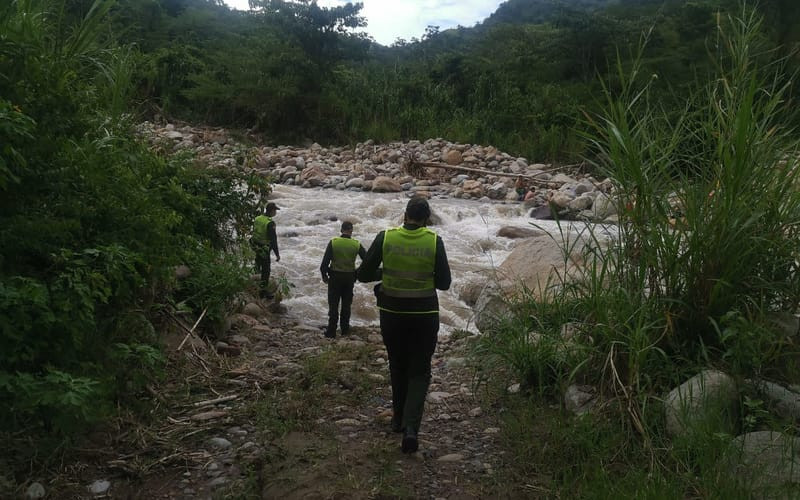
x=391 y=19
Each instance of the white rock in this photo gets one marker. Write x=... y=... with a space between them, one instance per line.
x=35 y=490
x=99 y=487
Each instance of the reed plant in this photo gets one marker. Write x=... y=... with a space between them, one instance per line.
x=704 y=253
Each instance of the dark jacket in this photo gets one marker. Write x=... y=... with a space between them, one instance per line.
x=370 y=271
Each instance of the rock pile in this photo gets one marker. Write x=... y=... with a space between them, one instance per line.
x=466 y=171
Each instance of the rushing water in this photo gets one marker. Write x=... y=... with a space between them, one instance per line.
x=309 y=218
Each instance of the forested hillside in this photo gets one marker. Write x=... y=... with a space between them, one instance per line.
x=521 y=80
x=94 y=222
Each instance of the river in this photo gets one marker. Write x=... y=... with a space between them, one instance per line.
x=309 y=218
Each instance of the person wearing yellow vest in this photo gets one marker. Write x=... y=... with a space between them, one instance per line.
x=414 y=267
x=338 y=270
x=264 y=241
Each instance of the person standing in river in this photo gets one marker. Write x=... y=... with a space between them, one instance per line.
x=338 y=270
x=414 y=267
x=264 y=241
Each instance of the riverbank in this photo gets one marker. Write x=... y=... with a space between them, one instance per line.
x=286 y=413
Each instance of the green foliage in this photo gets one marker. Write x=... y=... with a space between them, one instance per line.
x=520 y=81
x=704 y=253
x=215 y=282
x=92 y=223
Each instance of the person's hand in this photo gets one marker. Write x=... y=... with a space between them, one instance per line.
x=325 y=279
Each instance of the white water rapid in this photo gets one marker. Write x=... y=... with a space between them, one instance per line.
x=309 y=218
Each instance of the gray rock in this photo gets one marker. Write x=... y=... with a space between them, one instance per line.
x=514 y=232
x=544 y=212
x=99 y=487
x=355 y=182
x=580 y=203
x=219 y=442
x=253 y=310
x=603 y=207
x=766 y=464
x=35 y=491
x=781 y=400
x=707 y=402
x=490 y=308
x=579 y=399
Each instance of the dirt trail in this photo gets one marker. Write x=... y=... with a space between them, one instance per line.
x=290 y=414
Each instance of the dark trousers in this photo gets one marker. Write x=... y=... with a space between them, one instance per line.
x=410 y=341
x=340 y=289
x=263 y=263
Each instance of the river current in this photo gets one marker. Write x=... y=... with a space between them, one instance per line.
x=309 y=218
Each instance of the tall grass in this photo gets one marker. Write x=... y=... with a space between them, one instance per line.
x=705 y=251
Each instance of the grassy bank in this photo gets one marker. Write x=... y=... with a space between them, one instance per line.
x=704 y=260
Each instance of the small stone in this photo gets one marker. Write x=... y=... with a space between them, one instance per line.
x=347 y=421
x=219 y=481
x=452 y=457
x=438 y=396
x=491 y=430
x=219 y=442
x=513 y=389
x=35 y=490
x=475 y=412
x=99 y=487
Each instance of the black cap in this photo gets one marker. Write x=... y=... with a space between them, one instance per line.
x=418 y=208
x=271 y=206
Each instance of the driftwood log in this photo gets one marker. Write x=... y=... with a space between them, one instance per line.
x=531 y=178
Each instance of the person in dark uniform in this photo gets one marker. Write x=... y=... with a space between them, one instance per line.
x=338 y=270
x=414 y=267
x=263 y=241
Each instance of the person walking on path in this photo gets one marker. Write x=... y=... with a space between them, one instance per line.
x=338 y=270
x=264 y=241
x=414 y=267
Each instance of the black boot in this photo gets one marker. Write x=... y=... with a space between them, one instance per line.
x=410 y=443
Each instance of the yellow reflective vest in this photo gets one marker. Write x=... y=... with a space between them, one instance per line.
x=260 y=230
x=409 y=257
x=345 y=251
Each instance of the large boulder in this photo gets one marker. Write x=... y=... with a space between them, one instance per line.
x=491 y=308
x=538 y=263
x=313 y=175
x=706 y=403
x=452 y=157
x=765 y=464
x=383 y=184
x=515 y=232
x=603 y=207
x=783 y=401
x=472 y=188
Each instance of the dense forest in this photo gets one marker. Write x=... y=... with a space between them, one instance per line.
x=93 y=223
x=520 y=80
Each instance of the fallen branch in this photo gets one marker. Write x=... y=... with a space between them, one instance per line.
x=210 y=402
x=530 y=177
x=190 y=332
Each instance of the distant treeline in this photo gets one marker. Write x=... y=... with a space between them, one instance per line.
x=521 y=80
